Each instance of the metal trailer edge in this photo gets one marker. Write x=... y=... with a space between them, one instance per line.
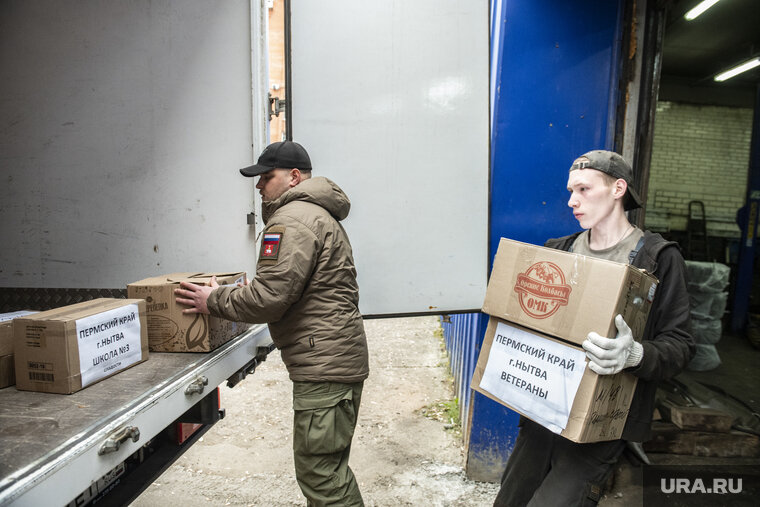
x=117 y=426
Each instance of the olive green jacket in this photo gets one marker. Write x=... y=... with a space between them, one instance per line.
x=305 y=286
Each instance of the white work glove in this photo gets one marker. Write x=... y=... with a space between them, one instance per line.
x=608 y=356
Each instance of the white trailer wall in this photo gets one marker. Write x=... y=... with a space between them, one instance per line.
x=391 y=100
x=123 y=125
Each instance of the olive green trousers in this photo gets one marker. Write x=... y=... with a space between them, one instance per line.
x=323 y=425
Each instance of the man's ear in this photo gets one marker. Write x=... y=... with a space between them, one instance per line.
x=295 y=177
x=619 y=188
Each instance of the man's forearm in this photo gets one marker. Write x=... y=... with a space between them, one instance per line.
x=245 y=304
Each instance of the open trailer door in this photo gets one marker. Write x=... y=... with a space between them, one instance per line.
x=391 y=99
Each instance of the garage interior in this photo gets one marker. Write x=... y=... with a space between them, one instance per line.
x=700 y=165
x=699 y=179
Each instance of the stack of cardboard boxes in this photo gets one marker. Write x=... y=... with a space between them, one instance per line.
x=69 y=348
x=543 y=303
x=66 y=349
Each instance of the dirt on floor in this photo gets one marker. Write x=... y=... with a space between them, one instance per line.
x=406 y=449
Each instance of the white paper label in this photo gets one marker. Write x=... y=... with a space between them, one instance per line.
x=13 y=315
x=536 y=376
x=234 y=284
x=652 y=289
x=108 y=342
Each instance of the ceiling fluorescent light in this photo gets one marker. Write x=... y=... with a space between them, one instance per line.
x=699 y=9
x=750 y=64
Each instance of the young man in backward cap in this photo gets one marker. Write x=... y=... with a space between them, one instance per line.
x=305 y=289
x=546 y=469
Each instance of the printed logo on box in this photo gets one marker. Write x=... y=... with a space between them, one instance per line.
x=542 y=289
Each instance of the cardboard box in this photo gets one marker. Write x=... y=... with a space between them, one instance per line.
x=170 y=330
x=7 y=372
x=68 y=348
x=547 y=380
x=566 y=295
x=6 y=330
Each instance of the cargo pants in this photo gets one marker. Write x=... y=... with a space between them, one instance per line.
x=323 y=425
x=547 y=469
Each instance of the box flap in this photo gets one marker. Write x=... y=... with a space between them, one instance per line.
x=79 y=310
x=204 y=278
x=180 y=277
x=162 y=279
x=218 y=275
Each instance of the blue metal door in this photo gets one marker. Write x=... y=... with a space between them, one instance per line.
x=555 y=68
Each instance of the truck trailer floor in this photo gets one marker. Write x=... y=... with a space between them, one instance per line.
x=399 y=456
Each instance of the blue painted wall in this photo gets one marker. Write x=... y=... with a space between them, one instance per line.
x=554 y=85
x=463 y=336
x=751 y=221
x=555 y=99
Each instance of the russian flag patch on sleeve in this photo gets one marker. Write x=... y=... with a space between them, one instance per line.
x=270 y=246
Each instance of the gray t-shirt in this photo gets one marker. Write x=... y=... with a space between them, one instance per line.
x=617 y=253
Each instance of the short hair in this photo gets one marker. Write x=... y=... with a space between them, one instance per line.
x=608 y=179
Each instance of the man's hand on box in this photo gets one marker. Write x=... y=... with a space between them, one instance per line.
x=195 y=296
x=608 y=356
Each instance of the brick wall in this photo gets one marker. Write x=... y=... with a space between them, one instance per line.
x=699 y=153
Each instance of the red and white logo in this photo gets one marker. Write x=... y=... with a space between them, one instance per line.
x=270 y=246
x=542 y=289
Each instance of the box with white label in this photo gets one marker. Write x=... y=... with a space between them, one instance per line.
x=170 y=330
x=66 y=349
x=548 y=381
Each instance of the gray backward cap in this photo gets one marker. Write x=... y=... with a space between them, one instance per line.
x=613 y=164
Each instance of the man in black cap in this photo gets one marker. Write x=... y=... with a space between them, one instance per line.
x=545 y=468
x=305 y=289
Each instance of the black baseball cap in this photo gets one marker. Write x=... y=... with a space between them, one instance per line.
x=282 y=154
x=613 y=164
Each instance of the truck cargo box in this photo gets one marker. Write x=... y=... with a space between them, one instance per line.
x=170 y=330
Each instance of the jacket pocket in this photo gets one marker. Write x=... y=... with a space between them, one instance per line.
x=323 y=424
